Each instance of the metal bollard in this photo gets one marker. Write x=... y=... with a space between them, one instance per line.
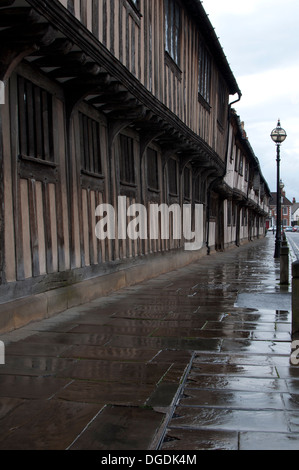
x=284 y=265
x=295 y=300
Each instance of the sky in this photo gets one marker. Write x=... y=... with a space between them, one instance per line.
x=260 y=39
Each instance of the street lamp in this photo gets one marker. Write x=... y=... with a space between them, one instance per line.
x=278 y=135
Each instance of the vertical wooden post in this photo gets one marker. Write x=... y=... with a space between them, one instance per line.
x=284 y=265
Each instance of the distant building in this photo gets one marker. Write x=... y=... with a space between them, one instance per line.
x=286 y=208
x=295 y=212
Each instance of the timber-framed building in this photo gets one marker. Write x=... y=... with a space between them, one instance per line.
x=109 y=98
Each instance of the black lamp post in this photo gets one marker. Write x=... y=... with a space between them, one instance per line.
x=278 y=136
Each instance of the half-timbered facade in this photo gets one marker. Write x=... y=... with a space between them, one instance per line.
x=108 y=102
x=248 y=195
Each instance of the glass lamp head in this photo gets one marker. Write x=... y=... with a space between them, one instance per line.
x=278 y=135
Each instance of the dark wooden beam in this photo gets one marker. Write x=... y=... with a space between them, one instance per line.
x=58 y=59
x=10 y=17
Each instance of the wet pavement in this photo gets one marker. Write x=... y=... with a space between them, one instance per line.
x=293 y=240
x=195 y=359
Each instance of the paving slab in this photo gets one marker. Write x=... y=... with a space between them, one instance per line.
x=120 y=428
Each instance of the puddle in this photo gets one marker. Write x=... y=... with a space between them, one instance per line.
x=273 y=301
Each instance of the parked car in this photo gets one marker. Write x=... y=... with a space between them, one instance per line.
x=288 y=229
x=296 y=228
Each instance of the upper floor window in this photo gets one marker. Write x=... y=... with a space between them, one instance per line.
x=241 y=165
x=135 y=4
x=35 y=121
x=237 y=160
x=172 y=29
x=247 y=171
x=222 y=102
x=205 y=67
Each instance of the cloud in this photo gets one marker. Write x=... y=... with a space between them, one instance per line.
x=231 y=7
x=277 y=84
x=256 y=34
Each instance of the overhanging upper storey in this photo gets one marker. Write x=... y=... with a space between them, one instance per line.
x=165 y=53
x=150 y=63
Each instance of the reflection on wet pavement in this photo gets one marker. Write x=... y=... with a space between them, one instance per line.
x=243 y=396
x=178 y=362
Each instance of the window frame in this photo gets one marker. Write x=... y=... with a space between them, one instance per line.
x=172 y=190
x=35 y=121
x=90 y=143
x=127 y=173
x=204 y=73
x=172 y=27
x=153 y=182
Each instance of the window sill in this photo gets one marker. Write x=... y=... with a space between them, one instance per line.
x=134 y=10
x=129 y=185
x=38 y=161
x=173 y=66
x=154 y=190
x=92 y=174
x=204 y=103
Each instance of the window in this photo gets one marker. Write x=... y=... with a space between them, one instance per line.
x=35 y=121
x=135 y=4
x=237 y=162
x=172 y=29
x=90 y=145
x=247 y=171
x=172 y=177
x=232 y=149
x=127 y=161
x=285 y=211
x=187 y=183
x=229 y=212
x=152 y=170
x=204 y=82
x=244 y=217
x=70 y=6
x=241 y=165
x=197 y=189
x=234 y=214
x=222 y=102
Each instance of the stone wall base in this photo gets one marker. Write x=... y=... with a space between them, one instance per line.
x=21 y=312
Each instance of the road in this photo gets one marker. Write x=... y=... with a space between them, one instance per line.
x=293 y=239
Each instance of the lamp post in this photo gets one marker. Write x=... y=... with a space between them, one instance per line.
x=278 y=135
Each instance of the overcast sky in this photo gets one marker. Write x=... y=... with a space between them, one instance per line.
x=261 y=41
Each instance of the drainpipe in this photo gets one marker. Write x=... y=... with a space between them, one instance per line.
x=228 y=125
x=222 y=176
